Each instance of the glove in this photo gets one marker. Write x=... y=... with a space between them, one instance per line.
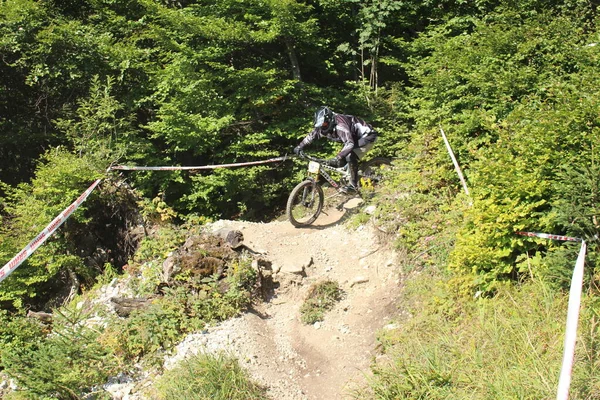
x=297 y=150
x=334 y=162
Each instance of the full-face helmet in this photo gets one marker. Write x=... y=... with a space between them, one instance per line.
x=324 y=119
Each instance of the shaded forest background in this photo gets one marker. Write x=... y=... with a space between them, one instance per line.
x=87 y=85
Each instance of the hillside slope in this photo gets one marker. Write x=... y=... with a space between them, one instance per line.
x=324 y=360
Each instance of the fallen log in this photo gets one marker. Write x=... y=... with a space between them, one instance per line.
x=125 y=306
x=39 y=315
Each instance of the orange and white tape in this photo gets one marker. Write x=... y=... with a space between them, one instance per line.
x=564 y=381
x=548 y=236
x=45 y=234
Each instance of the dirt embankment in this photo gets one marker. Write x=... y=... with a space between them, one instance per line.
x=294 y=361
x=325 y=360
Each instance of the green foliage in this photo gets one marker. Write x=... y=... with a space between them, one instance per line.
x=154 y=84
x=420 y=219
x=161 y=325
x=145 y=269
x=98 y=129
x=19 y=333
x=109 y=273
x=59 y=181
x=321 y=298
x=87 y=353
x=575 y=209
x=208 y=377
x=513 y=84
x=156 y=211
x=65 y=364
x=146 y=332
x=515 y=103
x=507 y=346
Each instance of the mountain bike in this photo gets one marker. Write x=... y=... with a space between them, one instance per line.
x=306 y=200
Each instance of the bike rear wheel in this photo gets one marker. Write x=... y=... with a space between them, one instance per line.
x=305 y=203
x=371 y=172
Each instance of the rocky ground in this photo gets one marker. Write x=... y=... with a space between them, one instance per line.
x=327 y=359
x=293 y=360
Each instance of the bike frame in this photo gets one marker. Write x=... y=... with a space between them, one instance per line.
x=307 y=199
x=316 y=168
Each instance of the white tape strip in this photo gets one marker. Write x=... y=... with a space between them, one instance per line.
x=45 y=234
x=564 y=381
x=175 y=168
x=456 y=166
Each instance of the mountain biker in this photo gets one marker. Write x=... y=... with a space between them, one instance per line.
x=357 y=136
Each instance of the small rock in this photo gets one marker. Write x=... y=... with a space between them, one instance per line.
x=391 y=326
x=297 y=266
x=359 y=279
x=353 y=203
x=370 y=209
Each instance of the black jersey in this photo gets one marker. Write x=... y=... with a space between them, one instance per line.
x=348 y=130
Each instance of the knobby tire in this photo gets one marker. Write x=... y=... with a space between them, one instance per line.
x=305 y=203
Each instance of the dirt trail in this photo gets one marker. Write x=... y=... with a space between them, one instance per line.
x=327 y=359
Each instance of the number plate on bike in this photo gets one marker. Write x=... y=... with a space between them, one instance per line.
x=314 y=167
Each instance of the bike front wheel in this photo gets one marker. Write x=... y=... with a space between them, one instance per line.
x=305 y=203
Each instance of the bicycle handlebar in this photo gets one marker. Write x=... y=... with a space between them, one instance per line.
x=302 y=154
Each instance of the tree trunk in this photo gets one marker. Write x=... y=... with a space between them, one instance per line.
x=289 y=44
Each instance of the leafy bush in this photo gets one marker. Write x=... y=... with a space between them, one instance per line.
x=575 y=209
x=59 y=181
x=420 y=220
x=517 y=103
x=64 y=364
x=145 y=267
x=160 y=326
x=19 y=333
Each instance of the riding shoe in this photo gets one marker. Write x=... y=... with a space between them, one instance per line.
x=349 y=189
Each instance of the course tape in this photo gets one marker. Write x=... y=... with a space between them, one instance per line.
x=174 y=168
x=571 y=332
x=564 y=381
x=45 y=234
x=455 y=162
x=62 y=217
x=547 y=236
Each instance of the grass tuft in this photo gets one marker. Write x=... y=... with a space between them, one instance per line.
x=505 y=347
x=208 y=377
x=321 y=298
